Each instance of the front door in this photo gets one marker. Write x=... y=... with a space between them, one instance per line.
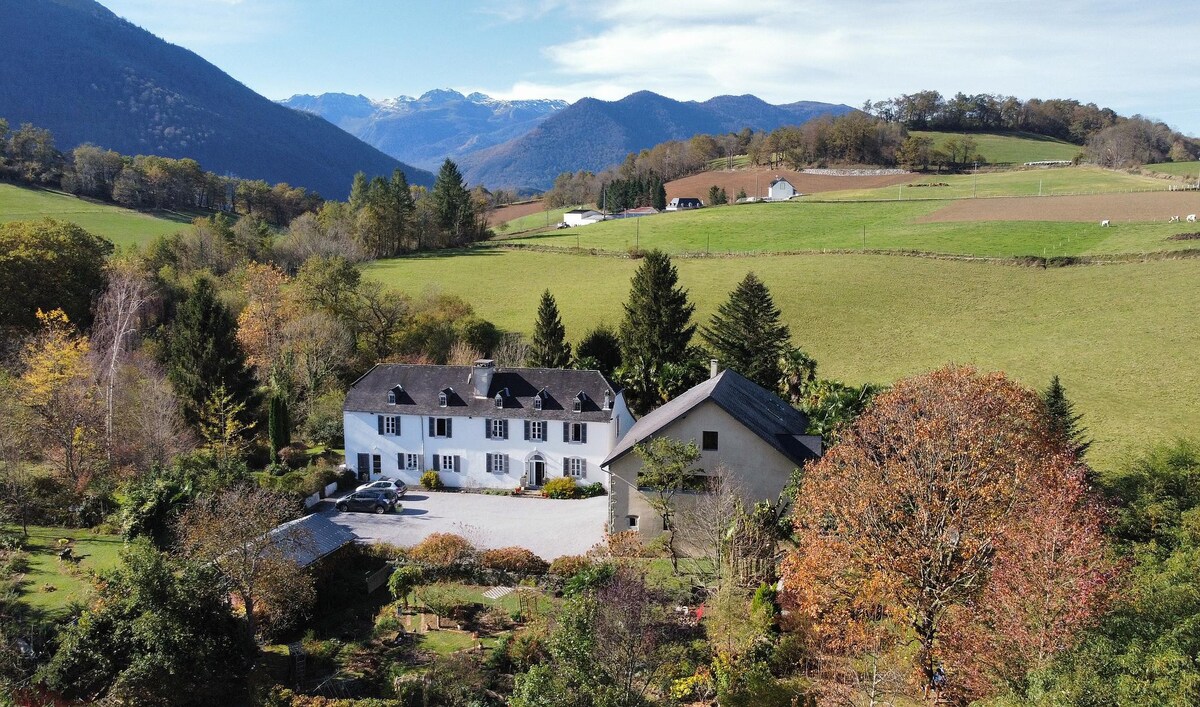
x=537 y=472
x=364 y=467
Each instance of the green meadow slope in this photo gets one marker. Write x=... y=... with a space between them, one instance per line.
x=123 y=227
x=1009 y=148
x=1122 y=337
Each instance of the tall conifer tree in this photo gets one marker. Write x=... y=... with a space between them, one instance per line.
x=451 y=200
x=203 y=354
x=746 y=334
x=658 y=317
x=1063 y=418
x=549 y=348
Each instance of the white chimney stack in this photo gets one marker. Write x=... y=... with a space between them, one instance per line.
x=713 y=368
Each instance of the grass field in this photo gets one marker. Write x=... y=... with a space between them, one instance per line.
x=539 y=220
x=800 y=226
x=1020 y=182
x=1123 y=337
x=121 y=226
x=1179 y=169
x=96 y=552
x=1009 y=147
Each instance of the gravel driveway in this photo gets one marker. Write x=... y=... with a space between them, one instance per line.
x=548 y=527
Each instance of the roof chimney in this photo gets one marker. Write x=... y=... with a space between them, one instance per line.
x=713 y=368
x=481 y=376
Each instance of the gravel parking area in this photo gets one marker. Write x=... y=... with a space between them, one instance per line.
x=548 y=527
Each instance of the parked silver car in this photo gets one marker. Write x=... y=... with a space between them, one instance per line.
x=397 y=487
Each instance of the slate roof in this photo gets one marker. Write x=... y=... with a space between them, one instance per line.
x=781 y=180
x=421 y=384
x=758 y=409
x=310 y=538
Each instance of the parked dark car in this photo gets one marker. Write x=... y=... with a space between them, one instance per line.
x=371 y=500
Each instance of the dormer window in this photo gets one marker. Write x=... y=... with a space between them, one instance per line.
x=394 y=394
x=499 y=400
x=441 y=400
x=577 y=406
x=537 y=402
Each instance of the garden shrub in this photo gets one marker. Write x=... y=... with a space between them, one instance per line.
x=294 y=456
x=568 y=566
x=592 y=490
x=514 y=559
x=442 y=549
x=561 y=487
x=432 y=481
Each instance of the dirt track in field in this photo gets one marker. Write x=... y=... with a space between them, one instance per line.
x=1135 y=207
x=508 y=213
x=697 y=185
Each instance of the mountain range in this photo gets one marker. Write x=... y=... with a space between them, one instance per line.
x=526 y=144
x=425 y=131
x=74 y=67
x=594 y=134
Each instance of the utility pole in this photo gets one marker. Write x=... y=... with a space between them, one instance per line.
x=975 y=182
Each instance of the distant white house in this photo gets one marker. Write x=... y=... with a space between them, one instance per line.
x=680 y=203
x=781 y=190
x=582 y=217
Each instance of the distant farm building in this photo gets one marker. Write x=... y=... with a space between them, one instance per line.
x=781 y=190
x=582 y=217
x=636 y=213
x=680 y=203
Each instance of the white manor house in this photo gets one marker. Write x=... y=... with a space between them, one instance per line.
x=480 y=426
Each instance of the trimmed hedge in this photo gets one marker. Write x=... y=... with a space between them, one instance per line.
x=518 y=560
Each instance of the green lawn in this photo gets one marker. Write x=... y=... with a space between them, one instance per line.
x=96 y=553
x=1018 y=182
x=1010 y=147
x=1122 y=337
x=1179 y=169
x=123 y=227
x=816 y=226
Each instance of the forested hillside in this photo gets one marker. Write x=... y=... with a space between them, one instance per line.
x=88 y=76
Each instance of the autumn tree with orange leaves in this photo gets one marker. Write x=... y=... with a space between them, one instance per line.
x=920 y=525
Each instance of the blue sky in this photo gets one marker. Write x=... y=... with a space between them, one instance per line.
x=1134 y=57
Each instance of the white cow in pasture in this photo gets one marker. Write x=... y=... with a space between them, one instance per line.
x=1191 y=218
x=1104 y=223
x=1173 y=219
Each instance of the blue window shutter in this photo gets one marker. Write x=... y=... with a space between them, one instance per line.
x=504 y=435
x=583 y=468
x=437 y=462
x=566 y=432
x=449 y=433
x=583 y=432
x=457 y=463
x=487 y=430
x=379 y=423
x=527 y=430
x=431 y=427
x=397 y=419
x=489 y=461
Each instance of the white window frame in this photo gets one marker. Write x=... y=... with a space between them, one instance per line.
x=499 y=428
x=575 y=433
x=443 y=423
x=391 y=425
x=412 y=462
x=376 y=464
x=631 y=523
x=499 y=464
x=575 y=467
x=392 y=397
x=499 y=400
x=537 y=430
x=442 y=400
x=450 y=466
x=578 y=405
x=537 y=402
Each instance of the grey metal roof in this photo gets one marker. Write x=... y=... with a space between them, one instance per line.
x=759 y=410
x=310 y=538
x=421 y=384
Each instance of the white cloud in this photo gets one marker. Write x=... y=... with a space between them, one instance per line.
x=847 y=51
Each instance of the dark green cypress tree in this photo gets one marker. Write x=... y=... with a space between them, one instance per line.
x=202 y=352
x=746 y=334
x=279 y=427
x=1064 y=421
x=658 y=324
x=549 y=348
